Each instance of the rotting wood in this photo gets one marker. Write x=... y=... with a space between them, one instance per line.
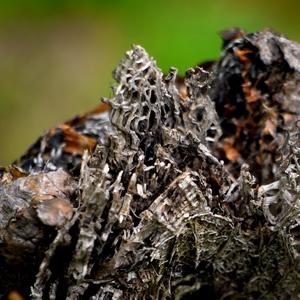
x=154 y=212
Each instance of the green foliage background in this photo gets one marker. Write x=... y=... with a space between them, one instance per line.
x=56 y=57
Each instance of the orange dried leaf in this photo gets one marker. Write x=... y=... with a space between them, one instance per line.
x=270 y=127
x=74 y=142
x=254 y=95
x=14 y=295
x=81 y=118
x=241 y=54
x=231 y=153
x=288 y=118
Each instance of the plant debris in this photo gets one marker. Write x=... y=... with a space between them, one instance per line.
x=179 y=193
x=255 y=89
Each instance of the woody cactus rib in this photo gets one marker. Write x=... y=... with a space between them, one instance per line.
x=156 y=215
x=152 y=184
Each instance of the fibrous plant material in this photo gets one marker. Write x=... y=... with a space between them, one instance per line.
x=154 y=212
x=62 y=146
x=255 y=89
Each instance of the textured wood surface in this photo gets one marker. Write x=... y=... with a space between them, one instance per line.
x=184 y=190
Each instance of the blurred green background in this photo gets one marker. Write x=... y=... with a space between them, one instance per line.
x=56 y=57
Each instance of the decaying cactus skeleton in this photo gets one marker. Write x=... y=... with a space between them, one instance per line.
x=156 y=215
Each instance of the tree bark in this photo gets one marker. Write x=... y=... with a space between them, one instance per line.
x=184 y=190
